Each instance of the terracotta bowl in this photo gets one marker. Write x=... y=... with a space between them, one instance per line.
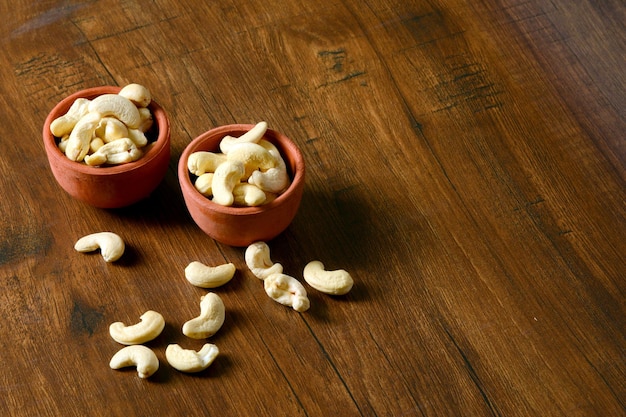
x=112 y=186
x=241 y=226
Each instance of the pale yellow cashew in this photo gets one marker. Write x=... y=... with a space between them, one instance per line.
x=205 y=276
x=201 y=162
x=111 y=245
x=250 y=195
x=110 y=129
x=287 y=291
x=204 y=184
x=149 y=328
x=187 y=360
x=119 y=151
x=118 y=107
x=253 y=135
x=140 y=356
x=80 y=138
x=138 y=137
x=253 y=156
x=210 y=320
x=138 y=94
x=336 y=282
x=258 y=261
x=225 y=177
x=146 y=119
x=63 y=125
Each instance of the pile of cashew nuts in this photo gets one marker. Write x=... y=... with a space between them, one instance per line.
x=280 y=287
x=108 y=130
x=249 y=170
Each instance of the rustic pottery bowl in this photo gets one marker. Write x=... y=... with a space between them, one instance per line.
x=241 y=226
x=111 y=186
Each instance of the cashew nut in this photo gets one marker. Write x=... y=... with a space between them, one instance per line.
x=202 y=162
x=204 y=276
x=119 y=151
x=111 y=245
x=187 y=360
x=204 y=184
x=258 y=260
x=117 y=106
x=225 y=177
x=140 y=356
x=337 y=282
x=146 y=119
x=250 y=195
x=80 y=137
x=253 y=156
x=150 y=326
x=210 y=320
x=138 y=94
x=63 y=125
x=253 y=135
x=110 y=129
x=287 y=291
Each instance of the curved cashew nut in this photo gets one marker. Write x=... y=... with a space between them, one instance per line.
x=118 y=107
x=274 y=180
x=253 y=156
x=138 y=94
x=119 y=151
x=204 y=184
x=140 y=356
x=337 y=282
x=138 y=137
x=250 y=195
x=258 y=260
x=150 y=326
x=253 y=135
x=110 y=129
x=146 y=119
x=225 y=177
x=201 y=162
x=210 y=320
x=111 y=245
x=287 y=291
x=204 y=276
x=63 y=125
x=78 y=143
x=187 y=360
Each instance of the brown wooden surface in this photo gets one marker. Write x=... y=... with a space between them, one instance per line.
x=465 y=164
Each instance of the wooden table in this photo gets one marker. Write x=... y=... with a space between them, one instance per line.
x=465 y=165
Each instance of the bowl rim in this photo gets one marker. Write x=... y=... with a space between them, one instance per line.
x=160 y=144
x=190 y=191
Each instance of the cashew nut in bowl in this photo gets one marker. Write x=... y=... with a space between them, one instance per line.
x=337 y=282
x=225 y=177
x=249 y=195
x=150 y=326
x=187 y=360
x=117 y=106
x=287 y=291
x=63 y=125
x=253 y=135
x=138 y=94
x=258 y=261
x=111 y=245
x=210 y=320
x=78 y=143
x=202 y=162
x=140 y=356
x=204 y=276
x=204 y=184
x=253 y=156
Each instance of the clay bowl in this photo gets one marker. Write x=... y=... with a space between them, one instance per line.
x=241 y=226
x=110 y=186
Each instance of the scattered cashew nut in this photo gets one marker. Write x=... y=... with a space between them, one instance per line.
x=187 y=360
x=210 y=320
x=336 y=282
x=258 y=260
x=287 y=291
x=150 y=326
x=204 y=276
x=111 y=245
x=140 y=356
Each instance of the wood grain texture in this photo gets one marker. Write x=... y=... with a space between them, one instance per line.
x=465 y=164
